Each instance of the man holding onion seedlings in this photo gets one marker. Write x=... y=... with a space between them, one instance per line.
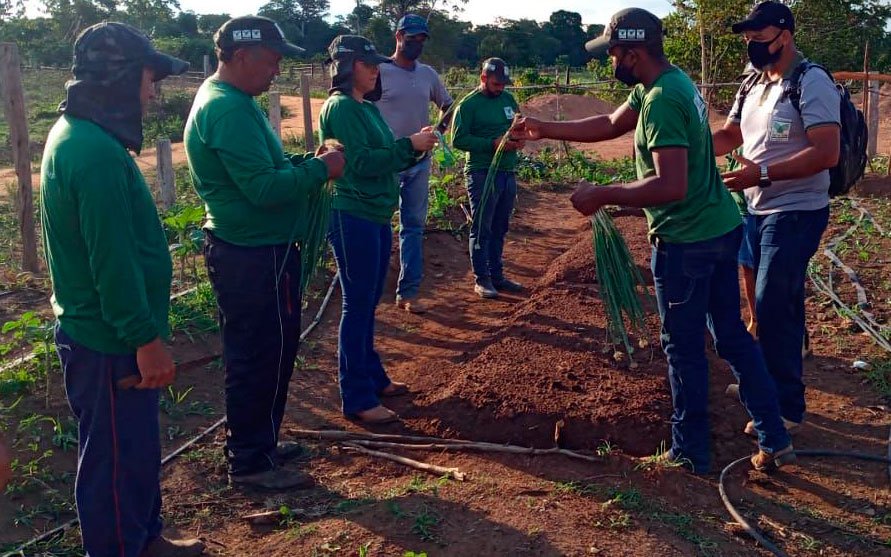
x=695 y=229
x=481 y=121
x=258 y=203
x=110 y=268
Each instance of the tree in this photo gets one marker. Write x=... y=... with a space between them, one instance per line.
x=566 y=28
x=358 y=19
x=209 y=23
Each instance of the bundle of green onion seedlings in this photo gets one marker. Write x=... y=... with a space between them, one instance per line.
x=622 y=288
x=314 y=248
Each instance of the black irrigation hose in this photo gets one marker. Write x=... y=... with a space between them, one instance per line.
x=754 y=532
x=20 y=551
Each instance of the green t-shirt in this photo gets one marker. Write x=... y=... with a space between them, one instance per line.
x=672 y=113
x=254 y=194
x=368 y=188
x=479 y=121
x=106 y=250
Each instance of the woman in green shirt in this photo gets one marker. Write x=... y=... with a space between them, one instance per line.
x=364 y=201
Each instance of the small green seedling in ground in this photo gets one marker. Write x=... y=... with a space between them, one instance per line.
x=64 y=433
x=364 y=549
x=605 y=449
x=413 y=554
x=426 y=521
x=395 y=509
x=657 y=460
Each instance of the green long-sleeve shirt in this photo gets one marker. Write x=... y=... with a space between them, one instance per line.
x=254 y=193
x=479 y=121
x=368 y=188
x=105 y=247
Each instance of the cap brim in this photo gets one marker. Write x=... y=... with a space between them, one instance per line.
x=375 y=59
x=411 y=31
x=753 y=24
x=598 y=47
x=285 y=48
x=165 y=65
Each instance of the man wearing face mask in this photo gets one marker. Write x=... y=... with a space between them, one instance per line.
x=695 y=229
x=787 y=152
x=407 y=89
x=481 y=119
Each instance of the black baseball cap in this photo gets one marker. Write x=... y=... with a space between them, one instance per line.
x=355 y=47
x=764 y=15
x=629 y=27
x=254 y=31
x=496 y=67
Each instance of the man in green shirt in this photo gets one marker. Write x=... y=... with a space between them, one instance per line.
x=695 y=230
x=257 y=200
x=481 y=120
x=111 y=270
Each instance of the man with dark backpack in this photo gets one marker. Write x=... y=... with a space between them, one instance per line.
x=787 y=118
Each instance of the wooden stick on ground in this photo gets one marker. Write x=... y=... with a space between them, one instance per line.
x=435 y=443
x=432 y=468
x=478 y=447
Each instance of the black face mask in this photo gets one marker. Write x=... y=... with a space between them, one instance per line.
x=412 y=49
x=760 y=55
x=625 y=75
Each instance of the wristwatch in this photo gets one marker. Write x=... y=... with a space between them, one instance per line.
x=764 y=182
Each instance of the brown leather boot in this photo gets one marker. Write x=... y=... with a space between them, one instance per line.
x=163 y=547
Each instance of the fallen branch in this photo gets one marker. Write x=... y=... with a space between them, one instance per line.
x=431 y=468
x=433 y=443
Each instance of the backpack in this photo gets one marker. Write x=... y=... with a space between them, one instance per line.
x=852 y=157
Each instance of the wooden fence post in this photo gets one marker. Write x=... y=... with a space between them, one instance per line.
x=275 y=112
x=206 y=66
x=872 y=145
x=308 y=134
x=15 y=110
x=166 y=176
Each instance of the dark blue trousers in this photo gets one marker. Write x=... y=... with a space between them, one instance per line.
x=258 y=297
x=362 y=251
x=491 y=225
x=697 y=287
x=117 y=491
x=783 y=244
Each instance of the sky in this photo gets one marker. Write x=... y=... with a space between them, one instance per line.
x=477 y=11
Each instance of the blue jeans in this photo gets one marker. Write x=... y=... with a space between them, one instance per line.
x=414 y=195
x=117 y=491
x=784 y=244
x=490 y=228
x=697 y=286
x=746 y=253
x=362 y=253
x=258 y=299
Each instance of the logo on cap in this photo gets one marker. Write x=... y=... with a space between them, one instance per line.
x=247 y=35
x=632 y=34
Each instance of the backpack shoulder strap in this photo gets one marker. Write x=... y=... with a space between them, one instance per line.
x=793 y=85
x=751 y=79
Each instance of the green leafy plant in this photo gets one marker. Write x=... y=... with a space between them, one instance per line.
x=184 y=223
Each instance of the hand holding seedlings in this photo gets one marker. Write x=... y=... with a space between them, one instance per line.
x=335 y=162
x=528 y=128
x=423 y=140
x=587 y=198
x=156 y=367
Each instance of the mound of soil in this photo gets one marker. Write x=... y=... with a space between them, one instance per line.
x=550 y=363
x=565 y=107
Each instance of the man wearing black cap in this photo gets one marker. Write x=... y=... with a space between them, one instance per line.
x=408 y=87
x=111 y=271
x=481 y=119
x=257 y=201
x=787 y=151
x=695 y=229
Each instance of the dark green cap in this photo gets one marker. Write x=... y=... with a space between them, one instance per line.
x=254 y=31
x=353 y=47
x=629 y=27
x=110 y=47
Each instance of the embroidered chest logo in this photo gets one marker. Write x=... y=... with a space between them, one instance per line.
x=509 y=112
x=780 y=130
